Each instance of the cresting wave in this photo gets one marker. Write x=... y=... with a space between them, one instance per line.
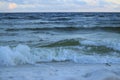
x=23 y=54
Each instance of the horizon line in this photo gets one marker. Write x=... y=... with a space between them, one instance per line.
x=64 y=12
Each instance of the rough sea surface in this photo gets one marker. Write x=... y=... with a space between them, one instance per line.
x=29 y=38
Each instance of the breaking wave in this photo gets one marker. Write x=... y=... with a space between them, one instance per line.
x=23 y=54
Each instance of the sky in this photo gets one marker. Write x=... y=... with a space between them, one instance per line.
x=59 y=5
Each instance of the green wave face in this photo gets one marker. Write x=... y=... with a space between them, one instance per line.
x=77 y=46
x=62 y=43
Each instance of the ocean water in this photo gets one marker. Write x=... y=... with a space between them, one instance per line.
x=30 y=38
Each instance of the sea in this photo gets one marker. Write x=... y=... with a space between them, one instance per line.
x=79 y=37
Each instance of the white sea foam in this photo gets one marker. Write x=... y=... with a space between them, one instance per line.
x=22 y=54
x=13 y=56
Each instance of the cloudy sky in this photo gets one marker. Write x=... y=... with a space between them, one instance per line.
x=59 y=5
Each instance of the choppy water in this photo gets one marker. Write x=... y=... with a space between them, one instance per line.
x=45 y=37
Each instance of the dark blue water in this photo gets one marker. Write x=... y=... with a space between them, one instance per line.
x=62 y=19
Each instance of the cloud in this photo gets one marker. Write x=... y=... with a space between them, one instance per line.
x=113 y=1
x=60 y=5
x=12 y=6
x=3 y=6
x=92 y=2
